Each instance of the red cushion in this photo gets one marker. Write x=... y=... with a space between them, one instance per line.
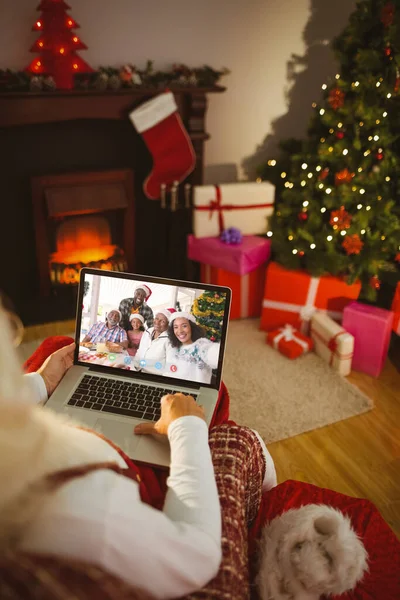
x=383 y=580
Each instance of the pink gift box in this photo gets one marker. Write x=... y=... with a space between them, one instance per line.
x=371 y=328
x=236 y=258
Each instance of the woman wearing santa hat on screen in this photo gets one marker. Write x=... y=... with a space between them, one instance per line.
x=137 y=305
x=151 y=355
x=190 y=355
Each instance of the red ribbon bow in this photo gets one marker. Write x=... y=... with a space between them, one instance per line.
x=216 y=205
x=332 y=345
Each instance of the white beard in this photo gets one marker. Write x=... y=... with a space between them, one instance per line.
x=308 y=552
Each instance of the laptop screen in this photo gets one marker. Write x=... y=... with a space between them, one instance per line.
x=152 y=328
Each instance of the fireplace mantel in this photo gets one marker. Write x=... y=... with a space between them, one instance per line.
x=57 y=133
x=34 y=108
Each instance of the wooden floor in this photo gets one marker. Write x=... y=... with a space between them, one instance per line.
x=359 y=456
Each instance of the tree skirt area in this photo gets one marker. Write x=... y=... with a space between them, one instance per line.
x=279 y=397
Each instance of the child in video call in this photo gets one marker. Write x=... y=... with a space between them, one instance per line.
x=135 y=334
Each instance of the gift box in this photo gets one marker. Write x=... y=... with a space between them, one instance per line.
x=371 y=327
x=294 y=296
x=289 y=341
x=246 y=206
x=247 y=290
x=332 y=343
x=238 y=258
x=396 y=310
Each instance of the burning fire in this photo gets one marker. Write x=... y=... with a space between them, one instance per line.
x=84 y=241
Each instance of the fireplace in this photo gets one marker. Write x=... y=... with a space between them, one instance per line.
x=52 y=143
x=82 y=219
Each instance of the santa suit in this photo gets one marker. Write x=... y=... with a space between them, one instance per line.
x=168 y=553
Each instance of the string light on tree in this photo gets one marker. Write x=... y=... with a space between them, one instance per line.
x=353 y=204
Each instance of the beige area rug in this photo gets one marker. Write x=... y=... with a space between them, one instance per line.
x=281 y=398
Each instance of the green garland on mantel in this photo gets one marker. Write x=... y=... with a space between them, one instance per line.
x=112 y=79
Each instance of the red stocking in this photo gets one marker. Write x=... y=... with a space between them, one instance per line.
x=166 y=138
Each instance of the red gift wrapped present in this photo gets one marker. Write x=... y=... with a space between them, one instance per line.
x=289 y=341
x=396 y=310
x=247 y=290
x=294 y=296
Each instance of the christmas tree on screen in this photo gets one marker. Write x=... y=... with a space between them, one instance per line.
x=339 y=208
x=208 y=309
x=57 y=45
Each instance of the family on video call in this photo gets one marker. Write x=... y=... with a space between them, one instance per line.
x=137 y=334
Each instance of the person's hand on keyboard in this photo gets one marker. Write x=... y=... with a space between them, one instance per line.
x=173 y=406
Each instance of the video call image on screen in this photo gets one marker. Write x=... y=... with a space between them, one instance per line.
x=151 y=328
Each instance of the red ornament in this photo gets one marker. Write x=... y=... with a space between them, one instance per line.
x=212 y=338
x=387 y=14
x=343 y=176
x=324 y=174
x=340 y=135
x=379 y=156
x=397 y=257
x=57 y=45
x=302 y=216
x=352 y=244
x=336 y=98
x=388 y=51
x=301 y=253
x=375 y=283
x=340 y=219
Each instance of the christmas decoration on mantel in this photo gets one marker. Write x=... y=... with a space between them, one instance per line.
x=57 y=45
x=111 y=79
x=338 y=209
x=58 y=67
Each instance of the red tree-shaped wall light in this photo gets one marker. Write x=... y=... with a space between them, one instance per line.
x=57 y=45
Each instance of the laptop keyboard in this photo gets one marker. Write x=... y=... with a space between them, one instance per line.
x=119 y=397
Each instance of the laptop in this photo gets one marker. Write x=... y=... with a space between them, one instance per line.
x=112 y=391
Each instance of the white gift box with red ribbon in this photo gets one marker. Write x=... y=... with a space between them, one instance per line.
x=246 y=206
x=332 y=343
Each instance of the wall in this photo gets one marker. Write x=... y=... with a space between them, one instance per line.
x=276 y=49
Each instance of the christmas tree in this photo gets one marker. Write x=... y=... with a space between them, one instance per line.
x=338 y=207
x=57 y=45
x=209 y=312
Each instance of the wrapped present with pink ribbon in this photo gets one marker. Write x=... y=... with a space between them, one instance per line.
x=289 y=341
x=294 y=297
x=246 y=206
x=332 y=343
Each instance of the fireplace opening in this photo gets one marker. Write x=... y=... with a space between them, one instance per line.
x=82 y=219
x=84 y=241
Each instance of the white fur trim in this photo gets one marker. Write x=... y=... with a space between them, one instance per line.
x=154 y=111
x=136 y=316
x=164 y=312
x=183 y=315
x=145 y=288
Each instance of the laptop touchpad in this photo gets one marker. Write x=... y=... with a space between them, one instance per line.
x=119 y=432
